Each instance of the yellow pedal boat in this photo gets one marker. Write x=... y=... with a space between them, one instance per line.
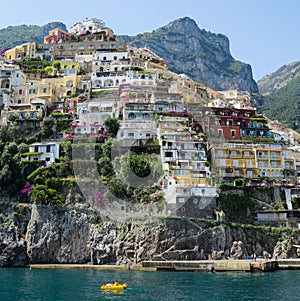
x=114 y=286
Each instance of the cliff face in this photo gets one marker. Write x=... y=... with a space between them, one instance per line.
x=279 y=78
x=202 y=55
x=43 y=234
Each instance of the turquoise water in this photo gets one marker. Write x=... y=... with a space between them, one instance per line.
x=65 y=285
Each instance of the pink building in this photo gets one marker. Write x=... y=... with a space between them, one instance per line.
x=57 y=35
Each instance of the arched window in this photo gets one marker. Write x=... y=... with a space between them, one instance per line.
x=131 y=116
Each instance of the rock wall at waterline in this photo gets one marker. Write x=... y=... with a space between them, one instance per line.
x=43 y=234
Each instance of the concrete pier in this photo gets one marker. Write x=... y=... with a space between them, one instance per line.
x=213 y=265
x=260 y=265
x=288 y=264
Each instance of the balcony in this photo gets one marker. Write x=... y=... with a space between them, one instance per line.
x=262 y=157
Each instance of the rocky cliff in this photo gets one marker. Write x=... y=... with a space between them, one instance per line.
x=202 y=55
x=45 y=234
x=280 y=78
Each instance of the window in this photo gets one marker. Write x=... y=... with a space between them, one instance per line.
x=45 y=90
x=263 y=173
x=237 y=173
x=19 y=101
x=249 y=173
x=249 y=163
x=273 y=155
x=233 y=153
x=246 y=154
x=233 y=133
x=222 y=162
x=180 y=172
x=48 y=149
x=168 y=154
x=20 y=92
x=31 y=91
x=36 y=149
x=69 y=83
x=180 y=200
x=261 y=154
x=220 y=152
x=235 y=163
x=273 y=164
x=220 y=133
x=261 y=164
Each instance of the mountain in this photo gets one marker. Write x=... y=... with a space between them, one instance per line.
x=279 y=78
x=16 y=35
x=201 y=55
x=283 y=103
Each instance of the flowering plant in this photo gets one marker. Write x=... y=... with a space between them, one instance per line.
x=26 y=190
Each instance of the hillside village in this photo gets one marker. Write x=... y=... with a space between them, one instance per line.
x=205 y=139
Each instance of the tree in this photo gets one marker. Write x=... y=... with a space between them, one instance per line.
x=56 y=65
x=48 y=127
x=112 y=126
x=49 y=70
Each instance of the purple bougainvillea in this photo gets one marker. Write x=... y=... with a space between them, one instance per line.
x=26 y=190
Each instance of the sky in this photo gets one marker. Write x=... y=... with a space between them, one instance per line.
x=262 y=33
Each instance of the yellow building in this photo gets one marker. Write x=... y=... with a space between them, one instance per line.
x=49 y=89
x=26 y=50
x=233 y=160
x=193 y=92
x=8 y=116
x=69 y=67
x=270 y=161
x=253 y=161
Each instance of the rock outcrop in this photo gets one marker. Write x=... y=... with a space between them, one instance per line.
x=279 y=78
x=69 y=235
x=200 y=54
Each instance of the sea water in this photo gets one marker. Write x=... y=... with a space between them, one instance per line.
x=79 y=285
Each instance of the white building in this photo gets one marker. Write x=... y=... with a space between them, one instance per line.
x=109 y=69
x=90 y=25
x=142 y=78
x=96 y=112
x=44 y=151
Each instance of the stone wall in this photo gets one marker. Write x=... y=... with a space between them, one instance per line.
x=44 y=234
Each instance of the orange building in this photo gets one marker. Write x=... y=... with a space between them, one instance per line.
x=57 y=35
